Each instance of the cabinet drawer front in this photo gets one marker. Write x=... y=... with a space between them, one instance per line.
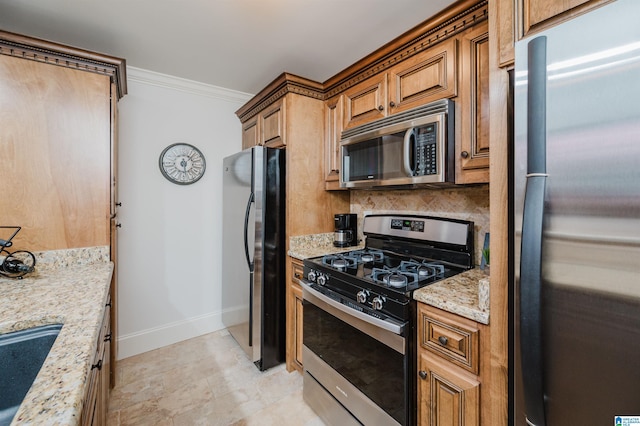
x=450 y=337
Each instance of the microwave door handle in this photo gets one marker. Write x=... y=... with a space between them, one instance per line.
x=409 y=143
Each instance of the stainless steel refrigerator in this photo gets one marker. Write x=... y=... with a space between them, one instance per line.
x=576 y=222
x=253 y=253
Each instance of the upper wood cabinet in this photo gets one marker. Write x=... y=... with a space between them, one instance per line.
x=366 y=101
x=426 y=77
x=521 y=18
x=334 y=121
x=266 y=128
x=58 y=142
x=472 y=134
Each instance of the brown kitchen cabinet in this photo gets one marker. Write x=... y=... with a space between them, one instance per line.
x=426 y=77
x=448 y=369
x=537 y=15
x=267 y=128
x=294 y=318
x=96 y=401
x=366 y=101
x=472 y=133
x=334 y=121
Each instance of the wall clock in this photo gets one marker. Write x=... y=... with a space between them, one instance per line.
x=182 y=163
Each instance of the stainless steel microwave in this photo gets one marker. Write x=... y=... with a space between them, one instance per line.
x=412 y=148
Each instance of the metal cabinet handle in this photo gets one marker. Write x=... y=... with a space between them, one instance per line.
x=464 y=154
x=118 y=225
x=423 y=374
x=98 y=365
x=119 y=204
x=443 y=340
x=107 y=338
x=392 y=104
x=380 y=108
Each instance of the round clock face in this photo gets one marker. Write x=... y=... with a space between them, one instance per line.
x=182 y=163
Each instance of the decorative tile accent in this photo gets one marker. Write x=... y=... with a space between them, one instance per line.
x=467 y=203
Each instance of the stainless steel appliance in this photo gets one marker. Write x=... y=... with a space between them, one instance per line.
x=345 y=232
x=411 y=148
x=359 y=346
x=577 y=222
x=253 y=254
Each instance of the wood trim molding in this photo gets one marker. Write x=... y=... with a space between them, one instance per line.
x=278 y=88
x=453 y=20
x=49 y=52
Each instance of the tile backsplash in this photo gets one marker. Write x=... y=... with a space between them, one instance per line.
x=468 y=203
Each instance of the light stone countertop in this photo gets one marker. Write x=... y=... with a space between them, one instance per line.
x=465 y=294
x=305 y=246
x=70 y=287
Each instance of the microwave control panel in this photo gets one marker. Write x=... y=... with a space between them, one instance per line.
x=426 y=149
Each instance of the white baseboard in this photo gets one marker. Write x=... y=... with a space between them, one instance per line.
x=168 y=334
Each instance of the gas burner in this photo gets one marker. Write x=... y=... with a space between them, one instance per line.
x=393 y=277
x=367 y=255
x=340 y=261
x=424 y=269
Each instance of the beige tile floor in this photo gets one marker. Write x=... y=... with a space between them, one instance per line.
x=209 y=381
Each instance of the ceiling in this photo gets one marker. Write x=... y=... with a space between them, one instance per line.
x=236 y=44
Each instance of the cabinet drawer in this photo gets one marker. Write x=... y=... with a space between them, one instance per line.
x=452 y=337
x=297 y=269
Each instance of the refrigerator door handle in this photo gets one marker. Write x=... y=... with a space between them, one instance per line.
x=532 y=228
x=246 y=231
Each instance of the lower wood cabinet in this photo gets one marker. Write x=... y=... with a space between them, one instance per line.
x=294 y=318
x=96 y=402
x=448 y=380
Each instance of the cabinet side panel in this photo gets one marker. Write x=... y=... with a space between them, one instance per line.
x=55 y=154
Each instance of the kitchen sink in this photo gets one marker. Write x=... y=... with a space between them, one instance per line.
x=22 y=354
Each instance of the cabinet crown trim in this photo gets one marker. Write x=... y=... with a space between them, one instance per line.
x=49 y=52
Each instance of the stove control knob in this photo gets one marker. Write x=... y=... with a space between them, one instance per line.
x=376 y=303
x=322 y=280
x=361 y=296
x=312 y=276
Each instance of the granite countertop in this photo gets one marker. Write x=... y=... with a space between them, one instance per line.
x=465 y=294
x=70 y=287
x=305 y=246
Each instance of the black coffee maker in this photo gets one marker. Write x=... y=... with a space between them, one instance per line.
x=345 y=230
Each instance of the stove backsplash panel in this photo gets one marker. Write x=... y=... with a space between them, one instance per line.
x=468 y=203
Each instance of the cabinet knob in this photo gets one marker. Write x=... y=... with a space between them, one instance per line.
x=443 y=340
x=107 y=338
x=380 y=108
x=119 y=204
x=464 y=154
x=297 y=275
x=422 y=374
x=392 y=104
x=98 y=365
x=118 y=225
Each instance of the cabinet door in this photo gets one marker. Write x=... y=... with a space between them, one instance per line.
x=472 y=143
x=423 y=78
x=250 y=133
x=365 y=102
x=333 y=131
x=540 y=14
x=294 y=318
x=272 y=125
x=297 y=294
x=448 y=396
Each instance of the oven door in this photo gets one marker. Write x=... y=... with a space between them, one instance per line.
x=359 y=360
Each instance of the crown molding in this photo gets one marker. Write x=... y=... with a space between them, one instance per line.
x=152 y=78
x=35 y=49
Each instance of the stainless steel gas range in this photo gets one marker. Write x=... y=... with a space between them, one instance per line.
x=359 y=337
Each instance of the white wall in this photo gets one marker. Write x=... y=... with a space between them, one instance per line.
x=170 y=240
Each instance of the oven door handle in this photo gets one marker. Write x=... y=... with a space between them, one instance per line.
x=312 y=295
